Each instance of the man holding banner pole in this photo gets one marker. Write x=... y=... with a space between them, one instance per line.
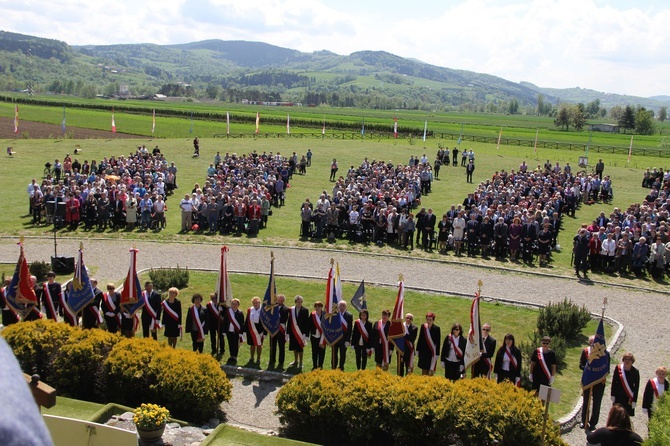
x=595 y=363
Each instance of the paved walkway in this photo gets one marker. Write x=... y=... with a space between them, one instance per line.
x=643 y=313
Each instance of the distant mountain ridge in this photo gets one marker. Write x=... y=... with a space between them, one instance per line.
x=236 y=70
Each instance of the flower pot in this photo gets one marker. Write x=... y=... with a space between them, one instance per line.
x=150 y=435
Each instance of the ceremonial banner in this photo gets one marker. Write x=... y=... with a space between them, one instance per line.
x=153 y=121
x=397 y=328
x=358 y=301
x=270 y=316
x=288 y=124
x=131 y=294
x=79 y=289
x=395 y=127
x=474 y=344
x=20 y=294
x=425 y=129
x=113 y=122
x=330 y=320
x=224 y=291
x=598 y=364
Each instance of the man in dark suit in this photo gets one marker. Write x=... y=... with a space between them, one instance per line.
x=484 y=366
x=500 y=231
x=581 y=251
x=278 y=341
x=472 y=233
x=90 y=317
x=469 y=170
x=411 y=331
x=340 y=348
x=151 y=313
x=469 y=202
x=594 y=393
x=419 y=225
x=528 y=237
x=428 y=228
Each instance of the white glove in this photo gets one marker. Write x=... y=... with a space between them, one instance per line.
x=613 y=399
x=495 y=377
x=305 y=340
x=443 y=365
x=517 y=381
x=346 y=345
x=461 y=368
x=645 y=411
x=551 y=380
x=530 y=377
x=241 y=338
x=633 y=404
x=287 y=337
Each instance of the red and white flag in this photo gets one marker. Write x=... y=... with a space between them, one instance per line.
x=258 y=121
x=113 y=123
x=473 y=345
x=397 y=328
x=395 y=127
x=224 y=291
x=288 y=124
x=153 y=121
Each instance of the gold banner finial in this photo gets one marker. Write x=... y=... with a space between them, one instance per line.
x=21 y=239
x=479 y=284
x=400 y=278
x=332 y=262
x=81 y=246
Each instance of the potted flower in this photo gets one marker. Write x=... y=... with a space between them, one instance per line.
x=150 y=421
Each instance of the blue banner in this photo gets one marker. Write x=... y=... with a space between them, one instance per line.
x=79 y=289
x=598 y=364
x=270 y=315
x=330 y=320
x=358 y=301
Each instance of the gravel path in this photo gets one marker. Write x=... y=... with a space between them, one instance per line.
x=642 y=313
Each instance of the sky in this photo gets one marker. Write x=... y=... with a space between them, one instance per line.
x=616 y=46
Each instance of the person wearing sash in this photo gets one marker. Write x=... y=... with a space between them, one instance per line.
x=34 y=314
x=484 y=366
x=90 y=315
x=383 y=348
x=110 y=307
x=618 y=432
x=151 y=312
x=543 y=365
x=411 y=332
x=233 y=327
x=297 y=327
x=596 y=391
x=360 y=339
x=196 y=323
x=278 y=341
x=52 y=296
x=172 y=317
x=507 y=365
x=452 y=353
x=654 y=389
x=254 y=329
x=9 y=317
x=215 y=326
x=626 y=384
x=428 y=345
x=340 y=348
x=316 y=338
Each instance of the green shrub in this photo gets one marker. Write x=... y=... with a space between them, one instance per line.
x=374 y=407
x=564 y=320
x=165 y=278
x=659 y=425
x=40 y=269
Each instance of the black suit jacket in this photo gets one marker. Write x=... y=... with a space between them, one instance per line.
x=497 y=367
x=155 y=302
x=462 y=342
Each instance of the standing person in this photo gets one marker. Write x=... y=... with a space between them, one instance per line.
x=196 y=147
x=428 y=228
x=428 y=345
x=443 y=232
x=626 y=384
x=452 y=353
x=340 y=348
x=254 y=329
x=254 y=214
x=52 y=296
x=543 y=365
x=484 y=366
x=278 y=341
x=151 y=312
x=600 y=168
x=654 y=389
x=333 y=170
x=618 y=432
x=594 y=393
x=215 y=326
x=172 y=317
x=459 y=231
x=360 y=339
x=411 y=331
x=464 y=157
x=473 y=228
x=298 y=330
x=544 y=244
x=316 y=336
x=110 y=307
x=90 y=315
x=383 y=348
x=186 y=206
x=514 y=238
x=507 y=365
x=454 y=154
x=233 y=327
x=581 y=251
x=469 y=170
x=196 y=323
x=72 y=211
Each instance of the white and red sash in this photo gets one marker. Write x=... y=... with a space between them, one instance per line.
x=155 y=323
x=173 y=314
x=431 y=346
x=654 y=386
x=256 y=337
x=345 y=326
x=200 y=324
x=512 y=359
x=50 y=301
x=360 y=326
x=233 y=321
x=69 y=315
x=316 y=319
x=109 y=305
x=454 y=344
x=297 y=333
x=543 y=364
x=385 y=343
x=624 y=382
x=96 y=312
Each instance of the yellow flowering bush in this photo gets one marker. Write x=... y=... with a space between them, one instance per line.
x=150 y=416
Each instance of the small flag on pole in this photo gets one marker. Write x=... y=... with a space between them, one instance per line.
x=499 y=138
x=358 y=301
x=62 y=123
x=363 y=128
x=331 y=321
x=474 y=344
x=270 y=315
x=113 y=122
x=395 y=127
x=16 y=119
x=397 y=329
x=425 y=129
x=323 y=130
x=537 y=131
x=630 y=148
x=258 y=121
x=227 y=123
x=288 y=124
x=153 y=121
x=460 y=135
x=224 y=291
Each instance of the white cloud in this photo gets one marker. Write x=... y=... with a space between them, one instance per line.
x=606 y=45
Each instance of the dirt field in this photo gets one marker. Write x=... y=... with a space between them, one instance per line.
x=38 y=130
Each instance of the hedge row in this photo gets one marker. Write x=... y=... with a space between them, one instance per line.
x=372 y=407
x=659 y=425
x=98 y=366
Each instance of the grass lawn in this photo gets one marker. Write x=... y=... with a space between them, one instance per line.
x=70 y=408
x=232 y=436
